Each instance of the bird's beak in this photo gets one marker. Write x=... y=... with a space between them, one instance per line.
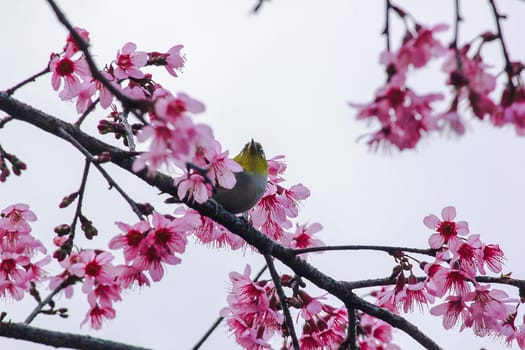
x=252 y=147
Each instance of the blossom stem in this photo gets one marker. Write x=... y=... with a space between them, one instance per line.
x=282 y=300
x=32 y=78
x=78 y=210
x=108 y=178
x=65 y=283
x=387 y=249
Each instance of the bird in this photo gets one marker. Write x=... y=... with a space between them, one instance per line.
x=251 y=181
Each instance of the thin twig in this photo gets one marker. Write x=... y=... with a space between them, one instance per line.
x=258 y=6
x=32 y=78
x=390 y=250
x=78 y=210
x=457 y=19
x=108 y=178
x=65 y=283
x=508 y=63
x=5 y=120
x=282 y=300
x=221 y=318
x=123 y=117
x=386 y=30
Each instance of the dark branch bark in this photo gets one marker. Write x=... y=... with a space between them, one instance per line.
x=60 y=339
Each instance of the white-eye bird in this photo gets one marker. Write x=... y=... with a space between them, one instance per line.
x=251 y=182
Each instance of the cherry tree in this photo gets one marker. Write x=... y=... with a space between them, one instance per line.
x=125 y=121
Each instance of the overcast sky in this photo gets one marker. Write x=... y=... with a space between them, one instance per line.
x=283 y=77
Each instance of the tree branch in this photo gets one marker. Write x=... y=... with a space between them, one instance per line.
x=282 y=300
x=60 y=339
x=32 y=78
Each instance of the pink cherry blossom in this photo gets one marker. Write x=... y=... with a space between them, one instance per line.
x=172 y=107
x=492 y=257
x=290 y=198
x=85 y=96
x=453 y=310
x=106 y=97
x=15 y=218
x=193 y=187
x=452 y=280
x=131 y=238
x=129 y=61
x=97 y=314
x=71 y=72
x=171 y=60
x=71 y=46
x=94 y=266
x=376 y=334
x=221 y=168
x=303 y=237
x=209 y=232
x=130 y=275
x=174 y=60
x=404 y=116
x=250 y=315
x=419 y=49
x=413 y=294
x=447 y=228
x=489 y=307
x=466 y=253
x=168 y=235
x=276 y=167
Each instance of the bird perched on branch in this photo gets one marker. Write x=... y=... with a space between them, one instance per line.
x=251 y=182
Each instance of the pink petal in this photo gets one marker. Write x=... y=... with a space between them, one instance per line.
x=448 y=213
x=462 y=227
x=431 y=221
x=435 y=241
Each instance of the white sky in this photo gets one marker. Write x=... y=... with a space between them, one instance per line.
x=283 y=77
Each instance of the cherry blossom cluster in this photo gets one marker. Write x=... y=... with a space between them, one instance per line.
x=254 y=316
x=404 y=116
x=147 y=249
x=94 y=268
x=174 y=138
x=18 y=248
x=460 y=257
x=271 y=215
x=71 y=71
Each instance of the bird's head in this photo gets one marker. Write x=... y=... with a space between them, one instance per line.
x=252 y=158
